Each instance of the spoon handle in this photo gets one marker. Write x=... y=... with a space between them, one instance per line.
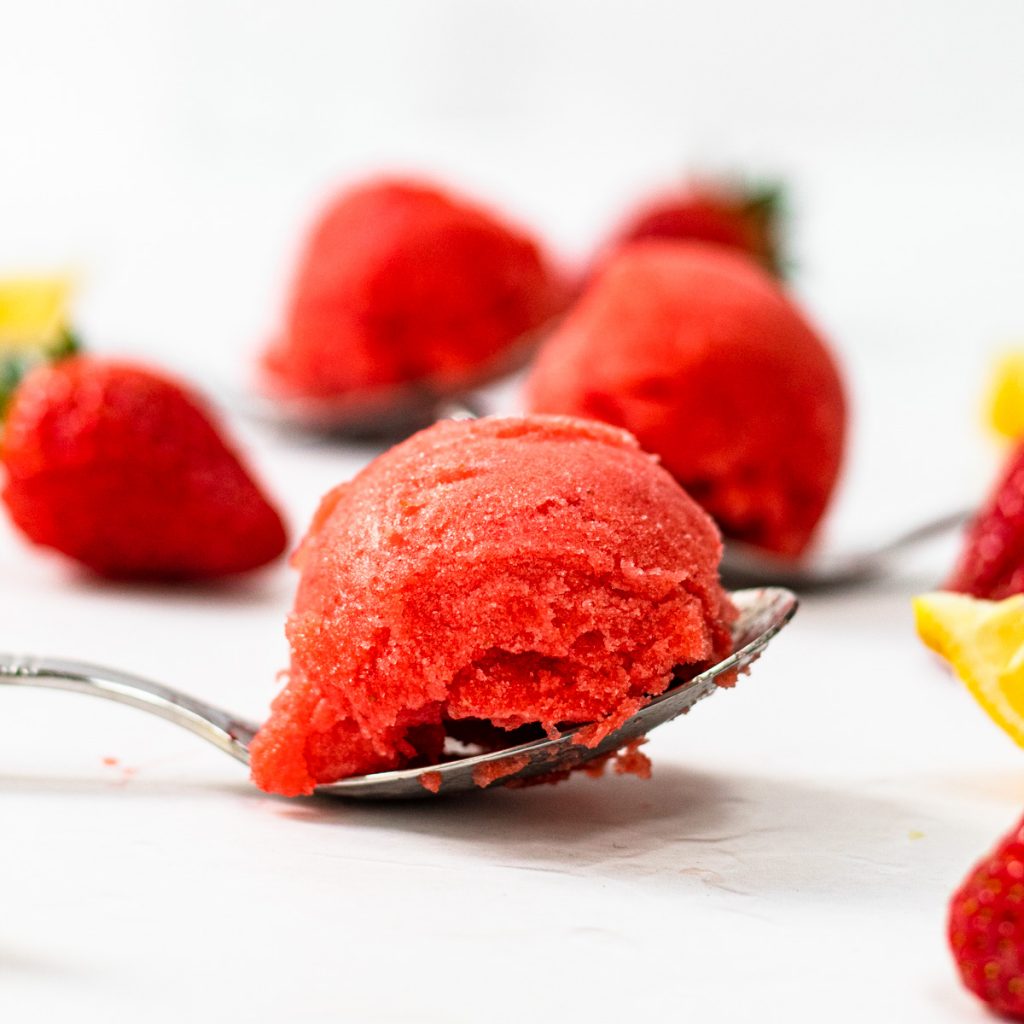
x=926 y=531
x=223 y=730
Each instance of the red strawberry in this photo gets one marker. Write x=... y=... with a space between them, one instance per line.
x=122 y=469
x=986 y=927
x=991 y=564
x=727 y=214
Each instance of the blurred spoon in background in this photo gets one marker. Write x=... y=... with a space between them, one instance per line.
x=743 y=564
x=387 y=412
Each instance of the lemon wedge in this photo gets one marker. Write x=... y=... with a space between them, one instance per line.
x=983 y=641
x=33 y=311
x=34 y=328
x=1006 y=396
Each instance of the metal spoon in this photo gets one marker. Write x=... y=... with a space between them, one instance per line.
x=762 y=614
x=745 y=565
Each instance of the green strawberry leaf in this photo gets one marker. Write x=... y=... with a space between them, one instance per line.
x=17 y=362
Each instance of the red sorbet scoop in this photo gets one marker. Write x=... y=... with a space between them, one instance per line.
x=401 y=283
x=493 y=573
x=698 y=352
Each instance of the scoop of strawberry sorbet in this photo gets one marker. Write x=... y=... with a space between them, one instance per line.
x=490 y=574
x=401 y=283
x=698 y=352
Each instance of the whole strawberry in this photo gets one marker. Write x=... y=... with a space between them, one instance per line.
x=728 y=214
x=991 y=563
x=986 y=927
x=122 y=469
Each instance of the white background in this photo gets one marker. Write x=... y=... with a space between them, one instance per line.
x=793 y=854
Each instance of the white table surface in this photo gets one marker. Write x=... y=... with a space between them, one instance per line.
x=792 y=856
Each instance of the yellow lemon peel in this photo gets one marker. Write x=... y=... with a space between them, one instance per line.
x=1005 y=404
x=33 y=311
x=983 y=641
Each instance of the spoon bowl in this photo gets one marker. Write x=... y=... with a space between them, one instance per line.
x=762 y=614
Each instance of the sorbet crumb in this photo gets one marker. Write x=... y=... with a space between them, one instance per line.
x=629 y=760
x=431 y=781
x=490 y=771
x=110 y=762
